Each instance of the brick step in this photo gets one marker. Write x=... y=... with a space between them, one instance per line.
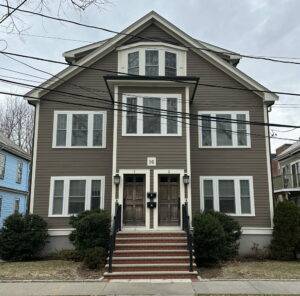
x=148 y=260
x=151 y=246
x=150 y=253
x=151 y=234
x=150 y=267
x=136 y=240
x=152 y=275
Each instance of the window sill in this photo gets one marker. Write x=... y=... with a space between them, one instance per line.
x=79 y=147
x=151 y=135
x=224 y=147
x=241 y=215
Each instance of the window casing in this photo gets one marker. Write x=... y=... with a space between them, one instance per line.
x=17 y=206
x=230 y=195
x=152 y=59
x=224 y=129
x=79 y=129
x=2 y=165
x=19 y=171
x=73 y=195
x=149 y=121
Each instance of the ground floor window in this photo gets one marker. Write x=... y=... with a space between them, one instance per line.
x=230 y=195
x=73 y=195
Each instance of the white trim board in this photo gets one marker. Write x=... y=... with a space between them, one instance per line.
x=153 y=16
x=257 y=230
x=60 y=231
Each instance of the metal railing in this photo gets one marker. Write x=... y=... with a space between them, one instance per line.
x=287 y=181
x=116 y=227
x=187 y=229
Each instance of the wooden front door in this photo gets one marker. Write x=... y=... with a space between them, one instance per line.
x=168 y=200
x=134 y=200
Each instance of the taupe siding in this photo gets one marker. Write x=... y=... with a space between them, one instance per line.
x=229 y=162
x=132 y=151
x=73 y=162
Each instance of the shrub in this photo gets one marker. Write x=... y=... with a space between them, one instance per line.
x=233 y=233
x=216 y=237
x=22 y=237
x=94 y=258
x=92 y=229
x=286 y=232
x=66 y=254
x=209 y=238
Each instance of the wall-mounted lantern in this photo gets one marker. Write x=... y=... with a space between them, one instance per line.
x=117 y=179
x=186 y=179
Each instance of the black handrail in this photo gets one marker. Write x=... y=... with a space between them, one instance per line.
x=187 y=229
x=115 y=228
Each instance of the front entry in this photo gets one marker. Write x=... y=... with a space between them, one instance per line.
x=168 y=200
x=134 y=193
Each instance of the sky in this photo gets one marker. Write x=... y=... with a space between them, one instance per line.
x=251 y=27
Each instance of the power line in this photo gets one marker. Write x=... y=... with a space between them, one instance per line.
x=133 y=75
x=189 y=115
x=122 y=110
x=271 y=59
x=46 y=37
x=13 y=10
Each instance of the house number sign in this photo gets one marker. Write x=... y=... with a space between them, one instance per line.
x=151 y=161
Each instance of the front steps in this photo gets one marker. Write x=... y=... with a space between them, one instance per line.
x=151 y=255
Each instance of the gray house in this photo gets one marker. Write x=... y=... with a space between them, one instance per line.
x=137 y=121
x=287 y=182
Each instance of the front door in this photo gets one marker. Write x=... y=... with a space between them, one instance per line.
x=168 y=200
x=134 y=200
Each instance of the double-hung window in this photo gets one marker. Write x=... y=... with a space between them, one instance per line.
x=2 y=165
x=230 y=195
x=19 y=171
x=170 y=64
x=151 y=64
x=223 y=129
x=133 y=63
x=152 y=115
x=73 y=195
x=79 y=129
x=17 y=205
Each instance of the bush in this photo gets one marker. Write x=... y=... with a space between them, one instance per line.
x=286 y=232
x=233 y=234
x=92 y=229
x=22 y=237
x=216 y=237
x=94 y=258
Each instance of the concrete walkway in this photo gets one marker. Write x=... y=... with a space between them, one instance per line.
x=150 y=288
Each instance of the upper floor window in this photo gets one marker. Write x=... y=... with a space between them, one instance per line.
x=2 y=165
x=79 y=129
x=230 y=195
x=17 y=205
x=152 y=115
x=152 y=59
x=73 y=195
x=223 y=129
x=1 y=206
x=19 y=171
x=133 y=63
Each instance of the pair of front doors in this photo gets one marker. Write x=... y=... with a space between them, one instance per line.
x=134 y=200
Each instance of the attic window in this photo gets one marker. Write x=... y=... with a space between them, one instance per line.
x=170 y=64
x=152 y=67
x=133 y=63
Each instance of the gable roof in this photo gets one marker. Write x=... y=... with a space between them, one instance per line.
x=289 y=151
x=10 y=146
x=152 y=16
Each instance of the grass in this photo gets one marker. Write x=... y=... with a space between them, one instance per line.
x=46 y=270
x=266 y=269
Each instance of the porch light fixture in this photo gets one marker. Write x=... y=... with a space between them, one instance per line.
x=117 y=179
x=186 y=179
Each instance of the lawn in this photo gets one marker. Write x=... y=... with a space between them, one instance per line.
x=46 y=270
x=265 y=269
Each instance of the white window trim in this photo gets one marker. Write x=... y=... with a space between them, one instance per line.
x=67 y=180
x=161 y=47
x=69 y=129
x=214 y=129
x=140 y=121
x=236 y=180
x=2 y=169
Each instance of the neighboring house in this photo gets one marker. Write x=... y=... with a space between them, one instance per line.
x=14 y=178
x=88 y=157
x=287 y=182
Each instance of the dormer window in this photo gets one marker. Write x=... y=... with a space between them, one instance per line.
x=170 y=64
x=133 y=63
x=151 y=65
x=152 y=59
